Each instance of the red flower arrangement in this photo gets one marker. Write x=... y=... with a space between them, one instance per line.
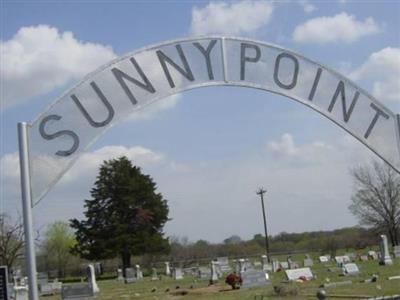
x=233 y=280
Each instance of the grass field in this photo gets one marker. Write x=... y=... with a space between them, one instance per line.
x=199 y=290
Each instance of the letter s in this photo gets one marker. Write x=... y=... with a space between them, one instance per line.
x=52 y=136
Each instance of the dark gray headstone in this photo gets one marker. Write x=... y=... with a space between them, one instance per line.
x=130 y=275
x=81 y=291
x=254 y=278
x=396 y=251
x=3 y=283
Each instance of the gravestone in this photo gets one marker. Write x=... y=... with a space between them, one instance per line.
x=372 y=255
x=81 y=291
x=177 y=274
x=98 y=268
x=266 y=267
x=4 y=294
x=290 y=263
x=341 y=260
x=120 y=275
x=214 y=275
x=224 y=264
x=284 y=265
x=299 y=273
x=42 y=278
x=323 y=259
x=364 y=258
x=167 y=269
x=396 y=251
x=385 y=258
x=350 y=269
x=21 y=292
x=254 y=278
x=139 y=273
x=248 y=265
x=204 y=273
x=46 y=289
x=275 y=266
x=130 y=275
x=308 y=262
x=154 y=275
x=91 y=275
x=352 y=256
x=242 y=266
x=56 y=286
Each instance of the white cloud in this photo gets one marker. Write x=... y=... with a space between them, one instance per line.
x=234 y=18
x=339 y=28
x=383 y=69
x=307 y=6
x=40 y=58
x=285 y=147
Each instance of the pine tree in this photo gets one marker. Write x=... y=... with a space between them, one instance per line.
x=125 y=216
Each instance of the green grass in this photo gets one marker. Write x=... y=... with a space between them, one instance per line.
x=111 y=289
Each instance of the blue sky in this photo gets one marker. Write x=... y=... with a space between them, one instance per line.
x=208 y=149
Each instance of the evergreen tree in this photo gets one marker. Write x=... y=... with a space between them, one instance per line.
x=125 y=216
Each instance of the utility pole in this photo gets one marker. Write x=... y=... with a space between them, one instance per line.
x=261 y=192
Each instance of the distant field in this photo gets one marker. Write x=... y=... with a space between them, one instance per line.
x=111 y=289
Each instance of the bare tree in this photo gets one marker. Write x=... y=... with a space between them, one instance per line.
x=11 y=241
x=376 y=200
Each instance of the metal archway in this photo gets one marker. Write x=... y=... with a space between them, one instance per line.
x=52 y=143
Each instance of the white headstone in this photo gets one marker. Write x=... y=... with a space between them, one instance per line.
x=167 y=269
x=350 y=269
x=120 y=275
x=21 y=293
x=92 y=278
x=214 y=275
x=284 y=265
x=177 y=274
x=372 y=255
x=323 y=259
x=385 y=258
x=299 y=273
x=139 y=273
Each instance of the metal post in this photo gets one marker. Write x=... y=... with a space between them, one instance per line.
x=30 y=258
x=261 y=192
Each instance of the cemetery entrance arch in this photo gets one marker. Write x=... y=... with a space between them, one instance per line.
x=74 y=121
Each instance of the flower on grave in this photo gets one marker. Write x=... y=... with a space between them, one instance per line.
x=234 y=280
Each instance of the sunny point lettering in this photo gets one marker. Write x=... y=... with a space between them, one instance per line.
x=249 y=53
x=340 y=89
x=121 y=78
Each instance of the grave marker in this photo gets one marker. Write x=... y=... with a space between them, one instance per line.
x=351 y=269
x=299 y=273
x=254 y=278
x=177 y=274
x=385 y=258
x=396 y=251
x=323 y=259
x=130 y=276
x=92 y=278
x=81 y=291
